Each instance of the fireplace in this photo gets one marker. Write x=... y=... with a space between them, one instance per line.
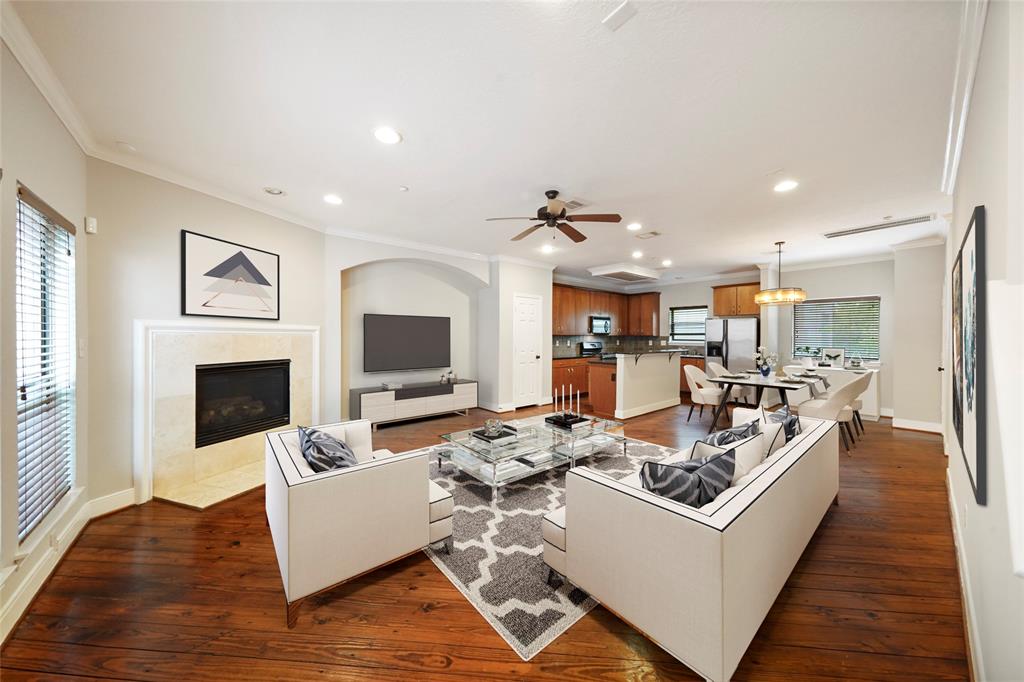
x=237 y=398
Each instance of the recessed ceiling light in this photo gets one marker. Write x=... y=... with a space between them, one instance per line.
x=387 y=135
x=666 y=262
x=786 y=185
x=274 y=191
x=332 y=199
x=638 y=254
x=547 y=248
x=403 y=188
x=634 y=227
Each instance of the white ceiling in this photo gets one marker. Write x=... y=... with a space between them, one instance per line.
x=683 y=119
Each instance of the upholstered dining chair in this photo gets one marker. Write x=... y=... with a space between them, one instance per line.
x=837 y=407
x=857 y=405
x=738 y=393
x=702 y=391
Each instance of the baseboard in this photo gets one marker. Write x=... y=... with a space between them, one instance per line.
x=497 y=407
x=650 y=407
x=970 y=623
x=913 y=425
x=885 y=412
x=21 y=598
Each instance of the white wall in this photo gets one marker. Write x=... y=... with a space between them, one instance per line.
x=38 y=152
x=134 y=273
x=916 y=383
x=407 y=288
x=990 y=174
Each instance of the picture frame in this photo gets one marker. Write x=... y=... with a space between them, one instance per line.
x=836 y=357
x=220 y=278
x=968 y=322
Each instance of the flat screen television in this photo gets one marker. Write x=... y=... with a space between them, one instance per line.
x=402 y=342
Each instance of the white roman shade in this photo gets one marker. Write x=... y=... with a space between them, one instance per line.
x=45 y=293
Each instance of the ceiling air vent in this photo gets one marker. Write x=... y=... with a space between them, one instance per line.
x=881 y=226
x=649 y=235
x=574 y=205
x=625 y=272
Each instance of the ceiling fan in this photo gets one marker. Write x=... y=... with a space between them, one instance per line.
x=554 y=215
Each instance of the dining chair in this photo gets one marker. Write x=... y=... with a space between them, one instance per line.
x=857 y=404
x=702 y=392
x=837 y=407
x=738 y=393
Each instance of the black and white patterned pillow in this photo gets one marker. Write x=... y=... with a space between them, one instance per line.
x=324 y=452
x=790 y=422
x=694 y=482
x=733 y=435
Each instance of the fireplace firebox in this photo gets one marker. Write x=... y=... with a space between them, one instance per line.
x=238 y=398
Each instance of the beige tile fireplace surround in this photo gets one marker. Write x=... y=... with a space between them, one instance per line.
x=168 y=465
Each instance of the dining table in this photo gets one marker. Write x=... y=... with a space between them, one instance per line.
x=759 y=383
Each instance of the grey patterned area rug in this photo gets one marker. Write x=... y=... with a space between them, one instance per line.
x=498 y=557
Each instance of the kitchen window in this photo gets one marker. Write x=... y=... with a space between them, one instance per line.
x=848 y=323
x=45 y=327
x=686 y=324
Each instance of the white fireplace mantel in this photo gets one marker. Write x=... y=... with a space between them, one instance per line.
x=145 y=335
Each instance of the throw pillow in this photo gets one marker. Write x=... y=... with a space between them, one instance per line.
x=694 y=482
x=749 y=453
x=773 y=436
x=790 y=422
x=733 y=435
x=324 y=452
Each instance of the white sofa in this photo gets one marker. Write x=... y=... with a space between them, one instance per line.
x=333 y=526
x=697 y=582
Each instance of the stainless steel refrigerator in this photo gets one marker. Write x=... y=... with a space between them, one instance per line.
x=732 y=341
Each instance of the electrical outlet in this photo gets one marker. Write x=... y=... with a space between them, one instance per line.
x=650 y=342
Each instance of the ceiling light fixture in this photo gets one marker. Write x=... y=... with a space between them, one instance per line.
x=274 y=191
x=332 y=199
x=667 y=262
x=403 y=188
x=387 y=135
x=634 y=227
x=780 y=295
x=638 y=254
x=547 y=248
x=786 y=185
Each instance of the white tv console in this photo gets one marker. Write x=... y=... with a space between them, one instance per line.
x=379 y=405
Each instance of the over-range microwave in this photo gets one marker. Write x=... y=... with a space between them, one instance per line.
x=600 y=325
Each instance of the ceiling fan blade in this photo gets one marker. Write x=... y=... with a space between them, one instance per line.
x=571 y=232
x=532 y=217
x=527 y=232
x=595 y=218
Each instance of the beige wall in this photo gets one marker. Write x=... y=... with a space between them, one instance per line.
x=916 y=383
x=134 y=273
x=38 y=152
x=990 y=174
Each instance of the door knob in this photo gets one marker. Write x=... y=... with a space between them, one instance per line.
x=941 y=369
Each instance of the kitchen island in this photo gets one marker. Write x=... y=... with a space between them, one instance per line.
x=627 y=385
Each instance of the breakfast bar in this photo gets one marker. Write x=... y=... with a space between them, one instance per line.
x=624 y=385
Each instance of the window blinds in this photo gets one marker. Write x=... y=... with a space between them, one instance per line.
x=686 y=325
x=848 y=323
x=45 y=305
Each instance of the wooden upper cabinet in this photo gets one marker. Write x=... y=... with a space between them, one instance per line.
x=745 y=304
x=633 y=315
x=582 y=325
x=563 y=311
x=736 y=299
x=650 y=314
x=620 y=314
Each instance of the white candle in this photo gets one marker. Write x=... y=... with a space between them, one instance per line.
x=570 y=398
x=578 y=408
x=562 y=405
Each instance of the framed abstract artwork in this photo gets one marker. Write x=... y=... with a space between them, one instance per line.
x=968 y=352
x=224 y=279
x=836 y=357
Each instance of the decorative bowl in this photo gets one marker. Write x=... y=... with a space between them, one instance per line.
x=493 y=427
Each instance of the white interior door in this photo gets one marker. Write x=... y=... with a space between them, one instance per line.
x=527 y=337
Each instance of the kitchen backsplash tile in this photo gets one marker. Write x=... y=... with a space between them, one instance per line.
x=569 y=346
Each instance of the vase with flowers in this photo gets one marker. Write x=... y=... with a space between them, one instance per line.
x=764 y=361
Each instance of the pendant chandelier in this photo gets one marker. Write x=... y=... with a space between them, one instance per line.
x=781 y=295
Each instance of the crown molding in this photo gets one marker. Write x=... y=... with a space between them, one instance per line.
x=589 y=283
x=521 y=261
x=920 y=244
x=968 y=52
x=21 y=44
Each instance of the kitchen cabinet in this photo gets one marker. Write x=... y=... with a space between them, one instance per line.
x=619 y=312
x=573 y=372
x=602 y=390
x=644 y=313
x=683 y=362
x=736 y=299
x=582 y=302
x=563 y=311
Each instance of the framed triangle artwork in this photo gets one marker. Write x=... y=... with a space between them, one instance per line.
x=224 y=279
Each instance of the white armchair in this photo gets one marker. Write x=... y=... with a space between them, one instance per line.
x=702 y=392
x=333 y=526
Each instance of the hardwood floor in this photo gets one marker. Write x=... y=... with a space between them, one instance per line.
x=159 y=592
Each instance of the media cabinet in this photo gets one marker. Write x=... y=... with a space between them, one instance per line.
x=379 y=405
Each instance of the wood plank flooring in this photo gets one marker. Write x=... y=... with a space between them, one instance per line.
x=158 y=592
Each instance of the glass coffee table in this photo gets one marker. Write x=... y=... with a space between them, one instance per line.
x=537 y=447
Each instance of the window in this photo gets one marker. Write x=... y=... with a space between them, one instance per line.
x=45 y=305
x=847 y=323
x=686 y=324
